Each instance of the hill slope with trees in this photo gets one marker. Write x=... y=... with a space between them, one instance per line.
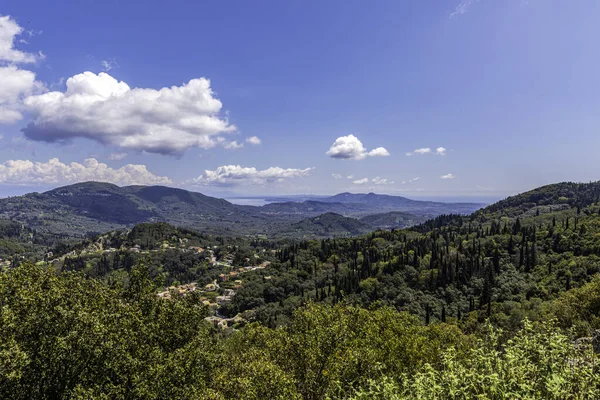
x=503 y=303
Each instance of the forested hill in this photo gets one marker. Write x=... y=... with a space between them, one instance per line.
x=497 y=263
x=386 y=203
x=328 y=225
x=500 y=304
x=542 y=200
x=94 y=207
x=546 y=198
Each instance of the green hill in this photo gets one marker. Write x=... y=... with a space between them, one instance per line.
x=93 y=207
x=327 y=225
x=392 y=220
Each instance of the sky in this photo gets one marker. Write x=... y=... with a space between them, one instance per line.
x=471 y=98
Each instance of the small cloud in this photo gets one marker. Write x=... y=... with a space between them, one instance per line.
x=440 y=151
x=351 y=148
x=336 y=176
x=447 y=176
x=350 y=177
x=462 y=7
x=381 y=181
x=411 y=180
x=379 y=152
x=361 y=181
x=107 y=65
x=117 y=156
x=233 y=145
x=421 y=151
x=253 y=140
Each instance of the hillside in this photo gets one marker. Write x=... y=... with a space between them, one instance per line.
x=392 y=220
x=396 y=312
x=385 y=203
x=92 y=207
x=327 y=225
x=546 y=198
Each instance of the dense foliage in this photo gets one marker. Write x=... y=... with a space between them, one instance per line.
x=504 y=303
x=495 y=265
x=68 y=336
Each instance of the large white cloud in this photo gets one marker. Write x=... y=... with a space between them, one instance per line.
x=9 y=30
x=232 y=175
x=351 y=148
x=56 y=172
x=15 y=83
x=101 y=108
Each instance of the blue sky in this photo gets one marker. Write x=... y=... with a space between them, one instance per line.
x=503 y=93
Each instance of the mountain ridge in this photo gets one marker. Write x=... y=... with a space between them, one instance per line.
x=94 y=207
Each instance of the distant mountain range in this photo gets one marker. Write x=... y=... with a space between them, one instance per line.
x=94 y=207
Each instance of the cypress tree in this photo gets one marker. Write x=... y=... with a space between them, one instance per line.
x=443 y=313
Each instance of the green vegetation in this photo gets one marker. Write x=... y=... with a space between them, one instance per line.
x=68 y=336
x=504 y=303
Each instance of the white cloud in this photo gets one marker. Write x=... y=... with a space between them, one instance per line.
x=336 y=176
x=421 y=151
x=411 y=180
x=351 y=148
x=15 y=83
x=98 y=107
x=253 y=140
x=376 y=181
x=447 y=176
x=361 y=181
x=379 y=152
x=56 y=172
x=350 y=177
x=381 y=181
x=440 y=151
x=462 y=7
x=232 y=175
x=117 y=156
x=232 y=145
x=9 y=30
x=107 y=65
